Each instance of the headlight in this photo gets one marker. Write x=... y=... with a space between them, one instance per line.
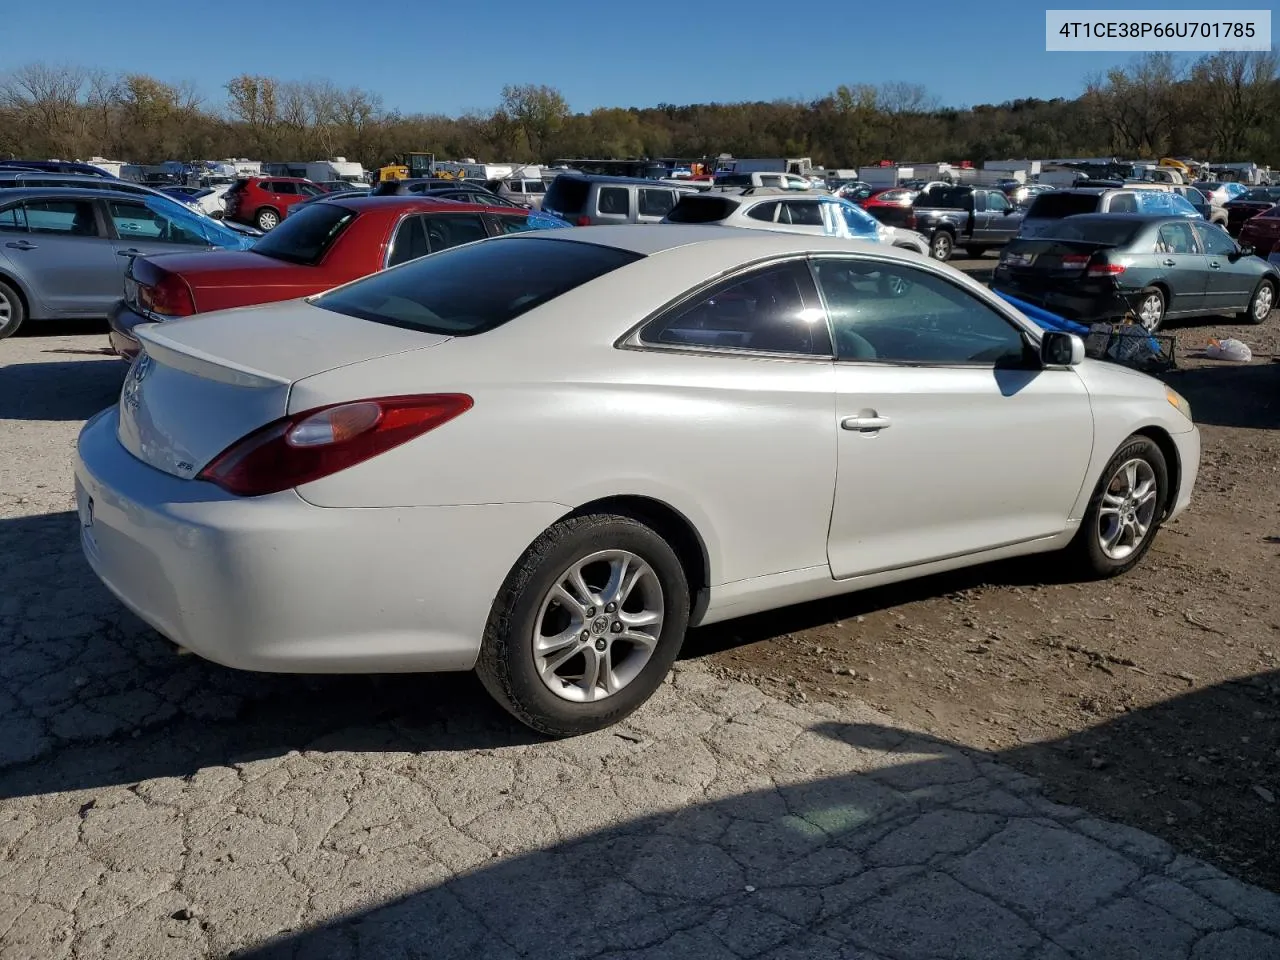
x=1178 y=401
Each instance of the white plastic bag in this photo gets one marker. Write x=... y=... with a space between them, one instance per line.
x=1228 y=350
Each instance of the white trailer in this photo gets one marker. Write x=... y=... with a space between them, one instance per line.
x=339 y=168
x=885 y=176
x=802 y=166
x=1028 y=168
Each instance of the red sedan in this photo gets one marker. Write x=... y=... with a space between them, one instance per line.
x=324 y=244
x=1262 y=232
x=891 y=205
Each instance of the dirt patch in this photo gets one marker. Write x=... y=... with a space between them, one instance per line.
x=1153 y=699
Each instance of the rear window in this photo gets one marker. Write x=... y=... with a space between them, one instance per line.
x=945 y=197
x=1114 y=233
x=1055 y=205
x=567 y=195
x=733 y=180
x=306 y=236
x=472 y=289
x=697 y=209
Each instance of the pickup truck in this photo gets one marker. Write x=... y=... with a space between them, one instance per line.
x=976 y=218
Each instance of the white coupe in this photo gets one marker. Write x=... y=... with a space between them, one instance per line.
x=546 y=456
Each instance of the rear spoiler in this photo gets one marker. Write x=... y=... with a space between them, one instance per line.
x=200 y=364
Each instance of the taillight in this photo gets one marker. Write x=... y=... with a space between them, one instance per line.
x=1105 y=269
x=295 y=450
x=168 y=296
x=583 y=221
x=1075 y=261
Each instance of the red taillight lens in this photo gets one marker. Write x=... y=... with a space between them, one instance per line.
x=169 y=296
x=316 y=443
x=1105 y=269
x=1075 y=261
x=583 y=221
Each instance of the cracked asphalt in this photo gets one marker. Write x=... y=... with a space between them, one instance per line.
x=156 y=806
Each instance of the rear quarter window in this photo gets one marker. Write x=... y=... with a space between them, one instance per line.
x=567 y=195
x=469 y=290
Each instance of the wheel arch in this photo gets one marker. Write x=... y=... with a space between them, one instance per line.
x=674 y=527
x=1173 y=463
x=23 y=294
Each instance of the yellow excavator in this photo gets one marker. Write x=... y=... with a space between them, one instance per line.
x=410 y=165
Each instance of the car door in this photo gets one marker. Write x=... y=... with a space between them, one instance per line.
x=981 y=216
x=1180 y=265
x=140 y=230
x=1002 y=218
x=951 y=438
x=1229 y=282
x=67 y=257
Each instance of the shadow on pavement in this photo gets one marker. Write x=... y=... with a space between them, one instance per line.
x=787 y=845
x=61 y=389
x=1231 y=395
x=64 y=328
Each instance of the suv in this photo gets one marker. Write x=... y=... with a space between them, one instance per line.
x=262 y=202
x=788 y=181
x=528 y=192
x=1048 y=208
x=587 y=199
x=786 y=211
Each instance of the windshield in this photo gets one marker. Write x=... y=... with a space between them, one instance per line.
x=474 y=288
x=307 y=234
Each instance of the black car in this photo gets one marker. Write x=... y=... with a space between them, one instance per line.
x=1249 y=205
x=1097 y=267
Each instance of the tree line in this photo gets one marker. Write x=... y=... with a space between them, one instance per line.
x=1222 y=106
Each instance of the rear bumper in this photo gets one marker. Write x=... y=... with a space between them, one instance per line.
x=276 y=584
x=1082 y=307
x=121 y=321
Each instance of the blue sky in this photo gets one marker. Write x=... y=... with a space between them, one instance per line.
x=594 y=52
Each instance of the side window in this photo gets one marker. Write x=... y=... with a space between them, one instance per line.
x=1177 y=238
x=409 y=243
x=897 y=313
x=13 y=220
x=997 y=202
x=69 y=218
x=1123 y=203
x=286 y=187
x=804 y=213
x=518 y=223
x=656 y=203
x=307 y=190
x=615 y=201
x=766 y=310
x=764 y=211
x=447 y=231
x=134 y=221
x=1217 y=242
x=860 y=223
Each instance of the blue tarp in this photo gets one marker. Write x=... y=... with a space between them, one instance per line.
x=1043 y=318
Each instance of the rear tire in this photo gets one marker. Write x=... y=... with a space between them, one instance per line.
x=1151 y=309
x=266 y=219
x=942 y=246
x=12 y=312
x=1260 y=305
x=1120 y=510
x=519 y=661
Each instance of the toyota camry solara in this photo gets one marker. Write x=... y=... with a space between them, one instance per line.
x=546 y=456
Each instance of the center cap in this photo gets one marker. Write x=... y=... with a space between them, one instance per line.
x=599 y=624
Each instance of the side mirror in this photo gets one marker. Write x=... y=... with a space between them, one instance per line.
x=1246 y=250
x=1058 y=349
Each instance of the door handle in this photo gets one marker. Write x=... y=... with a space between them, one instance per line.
x=21 y=245
x=1170 y=262
x=1214 y=265
x=865 y=424
x=131 y=252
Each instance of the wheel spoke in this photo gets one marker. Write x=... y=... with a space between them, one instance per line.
x=1114 y=538
x=1131 y=477
x=645 y=618
x=1139 y=529
x=642 y=640
x=613 y=591
x=590 y=673
x=547 y=645
x=636 y=576
x=608 y=680
x=569 y=602
x=579 y=583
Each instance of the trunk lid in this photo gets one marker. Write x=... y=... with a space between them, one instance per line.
x=1049 y=258
x=202 y=383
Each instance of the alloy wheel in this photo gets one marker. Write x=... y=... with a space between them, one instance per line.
x=1151 y=311
x=6 y=309
x=598 y=626
x=1128 y=509
x=1263 y=302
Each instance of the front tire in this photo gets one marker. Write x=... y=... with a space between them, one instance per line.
x=12 y=312
x=266 y=219
x=586 y=625
x=1260 y=305
x=1124 y=513
x=941 y=246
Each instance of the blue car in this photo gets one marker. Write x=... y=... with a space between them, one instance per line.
x=56 y=166
x=64 y=250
